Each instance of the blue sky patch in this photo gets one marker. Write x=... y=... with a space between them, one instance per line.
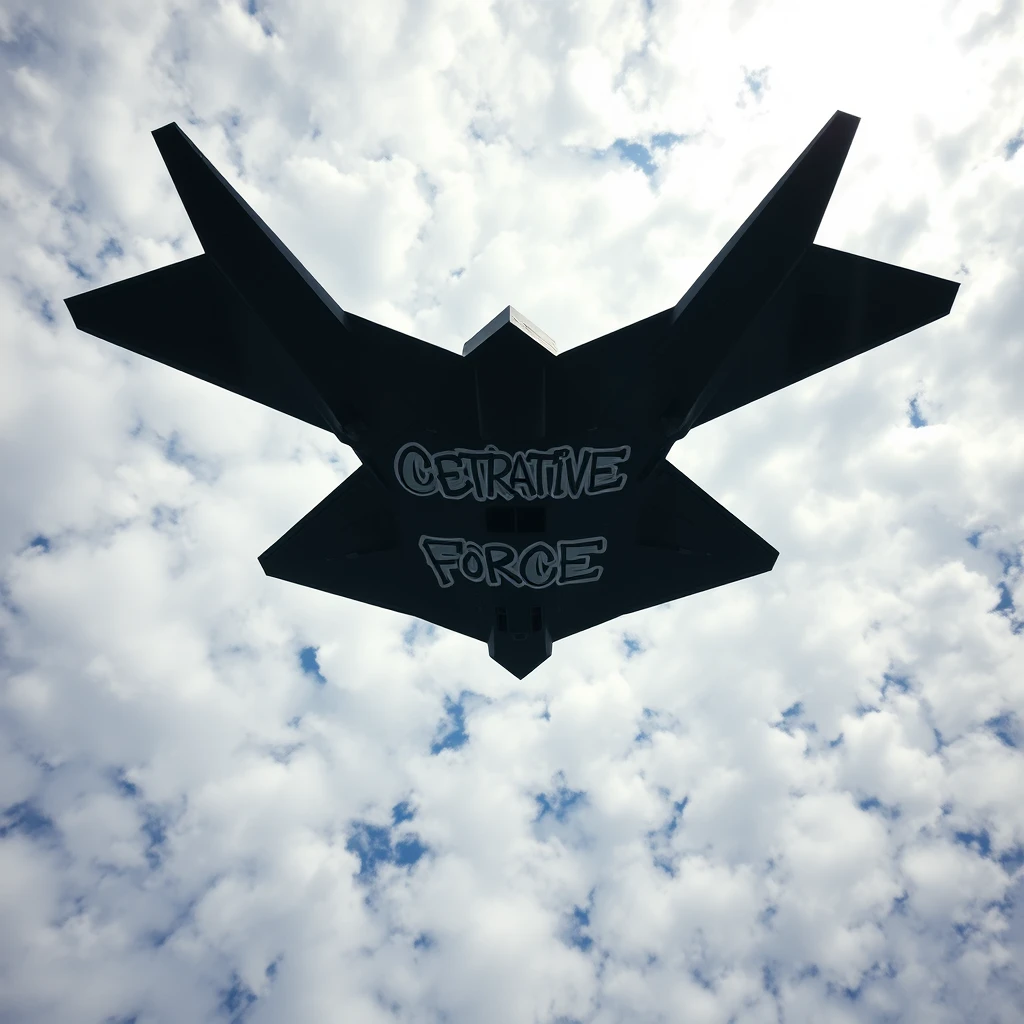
x=372 y=844
x=154 y=828
x=891 y=681
x=756 y=81
x=639 y=154
x=236 y=999
x=164 y=515
x=1005 y=604
x=632 y=645
x=22 y=41
x=173 y=451
x=77 y=269
x=914 y=414
x=111 y=250
x=666 y=140
x=408 y=851
x=875 y=972
x=790 y=716
x=25 y=818
x=1006 y=728
x=418 y=633
x=282 y=753
x=677 y=815
x=559 y=802
x=978 y=841
x=184 y=914
x=702 y=980
x=1012 y=569
x=310 y=664
x=123 y=785
x=402 y=812
x=1012 y=859
x=659 y=839
x=1014 y=144
x=636 y=154
x=255 y=9
x=452 y=729
x=872 y=803
x=40 y=543
x=577 y=935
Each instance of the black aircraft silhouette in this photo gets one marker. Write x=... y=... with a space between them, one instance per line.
x=512 y=494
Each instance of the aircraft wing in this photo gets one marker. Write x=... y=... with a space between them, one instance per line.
x=833 y=306
x=771 y=309
x=248 y=317
x=512 y=494
x=189 y=317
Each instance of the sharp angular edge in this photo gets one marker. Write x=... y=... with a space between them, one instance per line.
x=832 y=307
x=711 y=318
x=296 y=310
x=188 y=316
x=350 y=545
x=519 y=653
x=755 y=261
x=510 y=316
x=686 y=543
x=234 y=235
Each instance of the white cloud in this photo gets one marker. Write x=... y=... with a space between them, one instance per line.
x=797 y=797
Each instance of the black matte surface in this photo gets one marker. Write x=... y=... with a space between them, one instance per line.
x=770 y=310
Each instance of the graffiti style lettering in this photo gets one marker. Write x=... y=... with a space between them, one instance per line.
x=538 y=566
x=415 y=471
x=488 y=474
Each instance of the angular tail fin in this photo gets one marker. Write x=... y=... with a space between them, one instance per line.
x=709 y=321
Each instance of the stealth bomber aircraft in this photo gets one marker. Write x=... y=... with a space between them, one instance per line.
x=510 y=493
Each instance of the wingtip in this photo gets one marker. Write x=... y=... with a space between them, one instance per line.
x=840 y=125
x=73 y=304
x=166 y=129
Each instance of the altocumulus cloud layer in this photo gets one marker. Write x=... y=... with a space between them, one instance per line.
x=799 y=798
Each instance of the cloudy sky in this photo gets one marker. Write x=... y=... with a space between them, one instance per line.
x=227 y=798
